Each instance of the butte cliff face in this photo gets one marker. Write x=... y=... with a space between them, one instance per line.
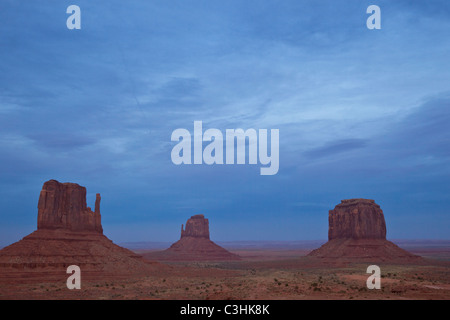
x=194 y=245
x=356 y=219
x=357 y=233
x=69 y=233
x=197 y=226
x=63 y=206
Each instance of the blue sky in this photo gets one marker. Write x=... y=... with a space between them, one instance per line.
x=361 y=113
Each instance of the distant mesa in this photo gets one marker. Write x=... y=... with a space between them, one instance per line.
x=194 y=245
x=69 y=233
x=357 y=233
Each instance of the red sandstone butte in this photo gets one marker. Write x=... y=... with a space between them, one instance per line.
x=356 y=219
x=357 y=233
x=69 y=233
x=194 y=245
x=197 y=226
x=63 y=206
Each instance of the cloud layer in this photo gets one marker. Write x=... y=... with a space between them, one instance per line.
x=361 y=113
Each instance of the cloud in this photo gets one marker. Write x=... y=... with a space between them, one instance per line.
x=426 y=131
x=337 y=147
x=416 y=144
x=353 y=106
x=61 y=141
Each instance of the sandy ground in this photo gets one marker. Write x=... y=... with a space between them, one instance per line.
x=274 y=274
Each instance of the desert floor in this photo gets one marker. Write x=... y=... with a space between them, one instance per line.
x=264 y=273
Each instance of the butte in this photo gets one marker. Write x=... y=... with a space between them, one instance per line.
x=357 y=233
x=69 y=233
x=194 y=245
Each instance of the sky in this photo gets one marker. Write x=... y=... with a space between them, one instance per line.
x=361 y=113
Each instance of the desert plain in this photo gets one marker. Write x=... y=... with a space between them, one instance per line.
x=267 y=270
